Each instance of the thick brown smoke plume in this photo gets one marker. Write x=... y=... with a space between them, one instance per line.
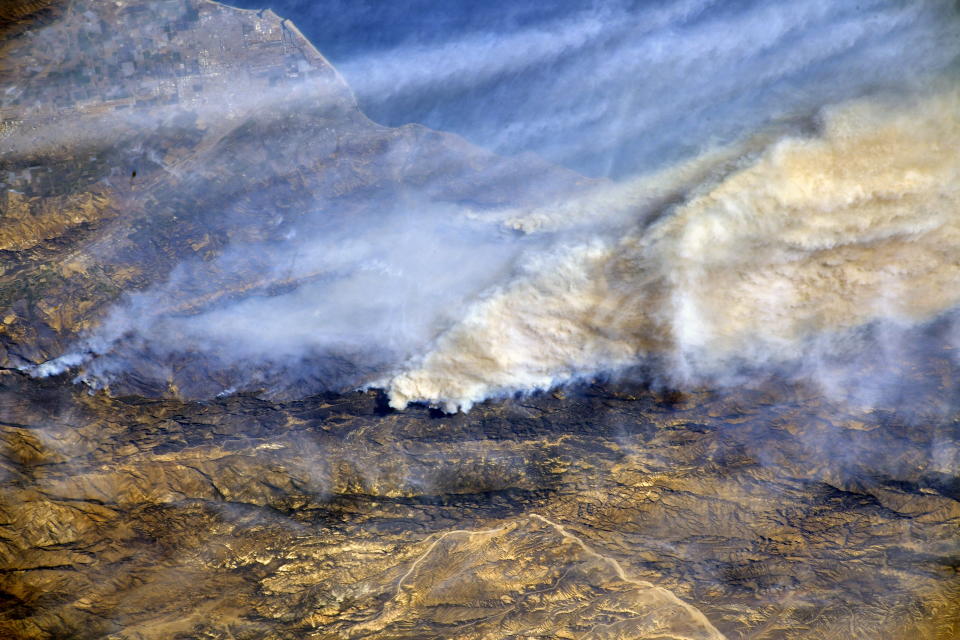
x=814 y=235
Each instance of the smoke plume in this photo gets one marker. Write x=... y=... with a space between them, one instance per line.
x=814 y=238
x=784 y=187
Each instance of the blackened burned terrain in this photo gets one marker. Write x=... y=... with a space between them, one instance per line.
x=614 y=509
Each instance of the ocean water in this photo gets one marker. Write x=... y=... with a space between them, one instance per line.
x=617 y=87
x=782 y=189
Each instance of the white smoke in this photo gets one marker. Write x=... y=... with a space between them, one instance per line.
x=816 y=237
x=360 y=296
x=749 y=226
x=622 y=87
